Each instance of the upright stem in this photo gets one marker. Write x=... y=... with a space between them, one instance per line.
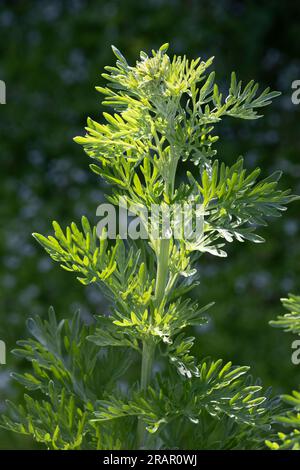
x=147 y=361
x=162 y=273
x=162 y=270
x=148 y=344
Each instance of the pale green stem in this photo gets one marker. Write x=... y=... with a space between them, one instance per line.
x=162 y=275
x=162 y=271
x=147 y=362
x=149 y=345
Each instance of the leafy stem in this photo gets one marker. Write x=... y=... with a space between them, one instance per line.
x=162 y=270
x=146 y=370
x=163 y=111
x=162 y=274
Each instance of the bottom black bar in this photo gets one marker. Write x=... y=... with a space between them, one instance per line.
x=136 y=459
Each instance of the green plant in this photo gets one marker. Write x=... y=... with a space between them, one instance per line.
x=290 y=322
x=88 y=394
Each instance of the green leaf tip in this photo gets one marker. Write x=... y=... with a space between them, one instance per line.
x=118 y=54
x=164 y=47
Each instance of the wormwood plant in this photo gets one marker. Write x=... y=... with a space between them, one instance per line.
x=290 y=322
x=130 y=380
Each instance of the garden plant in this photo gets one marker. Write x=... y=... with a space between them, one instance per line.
x=129 y=379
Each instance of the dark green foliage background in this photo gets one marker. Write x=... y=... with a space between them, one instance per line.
x=51 y=56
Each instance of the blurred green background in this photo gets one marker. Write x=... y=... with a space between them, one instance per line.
x=52 y=55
